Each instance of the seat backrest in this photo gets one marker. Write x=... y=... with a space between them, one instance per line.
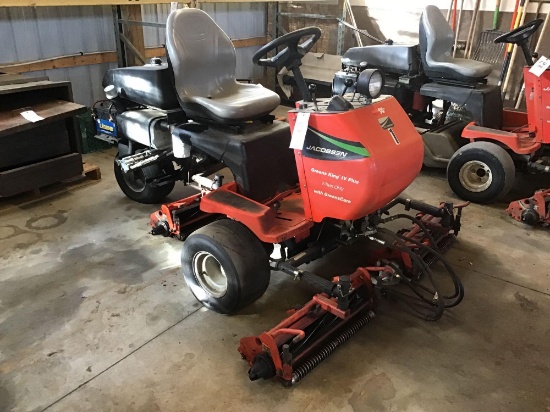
x=436 y=37
x=202 y=56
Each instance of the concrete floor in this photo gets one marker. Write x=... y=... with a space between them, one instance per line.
x=94 y=316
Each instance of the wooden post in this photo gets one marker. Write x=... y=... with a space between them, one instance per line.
x=133 y=33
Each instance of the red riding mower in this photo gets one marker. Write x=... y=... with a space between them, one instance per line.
x=480 y=156
x=352 y=161
x=484 y=168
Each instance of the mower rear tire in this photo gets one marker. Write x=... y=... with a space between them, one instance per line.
x=133 y=184
x=481 y=172
x=225 y=265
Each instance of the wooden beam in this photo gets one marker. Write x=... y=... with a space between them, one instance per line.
x=238 y=43
x=134 y=34
x=60 y=62
x=87 y=59
x=48 y=3
x=154 y=52
x=249 y=42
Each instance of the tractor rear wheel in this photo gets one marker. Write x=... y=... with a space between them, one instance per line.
x=481 y=172
x=225 y=265
x=135 y=184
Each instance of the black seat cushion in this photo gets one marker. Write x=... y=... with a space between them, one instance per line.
x=436 y=43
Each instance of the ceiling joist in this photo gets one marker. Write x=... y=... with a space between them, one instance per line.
x=47 y=3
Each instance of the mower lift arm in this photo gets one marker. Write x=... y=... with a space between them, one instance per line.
x=339 y=289
x=320 y=284
x=445 y=211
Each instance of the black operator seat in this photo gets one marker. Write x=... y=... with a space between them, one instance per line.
x=203 y=60
x=436 y=42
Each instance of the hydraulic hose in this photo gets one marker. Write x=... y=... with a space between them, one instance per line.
x=434 y=250
x=459 y=288
x=424 y=268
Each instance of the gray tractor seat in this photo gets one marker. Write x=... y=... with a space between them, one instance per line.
x=436 y=43
x=203 y=61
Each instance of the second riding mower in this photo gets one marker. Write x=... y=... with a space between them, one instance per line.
x=350 y=162
x=480 y=143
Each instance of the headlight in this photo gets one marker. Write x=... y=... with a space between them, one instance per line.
x=370 y=83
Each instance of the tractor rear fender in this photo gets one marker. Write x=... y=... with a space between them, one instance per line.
x=518 y=143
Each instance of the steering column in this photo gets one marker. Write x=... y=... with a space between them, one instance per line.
x=291 y=56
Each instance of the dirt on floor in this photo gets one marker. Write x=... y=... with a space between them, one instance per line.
x=95 y=316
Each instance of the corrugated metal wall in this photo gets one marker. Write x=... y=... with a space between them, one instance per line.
x=238 y=20
x=34 y=33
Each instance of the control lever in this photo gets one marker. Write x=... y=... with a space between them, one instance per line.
x=348 y=83
x=312 y=88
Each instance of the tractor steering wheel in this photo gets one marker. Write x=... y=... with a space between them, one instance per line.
x=520 y=34
x=291 y=56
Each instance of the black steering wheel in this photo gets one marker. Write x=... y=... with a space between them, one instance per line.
x=520 y=34
x=293 y=53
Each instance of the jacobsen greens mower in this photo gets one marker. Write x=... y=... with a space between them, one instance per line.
x=350 y=162
x=480 y=155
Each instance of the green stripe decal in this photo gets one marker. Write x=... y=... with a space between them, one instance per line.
x=357 y=150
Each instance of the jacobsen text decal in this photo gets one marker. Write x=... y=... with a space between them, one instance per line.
x=318 y=145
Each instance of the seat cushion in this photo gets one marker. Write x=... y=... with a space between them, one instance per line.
x=436 y=43
x=242 y=102
x=462 y=69
x=203 y=60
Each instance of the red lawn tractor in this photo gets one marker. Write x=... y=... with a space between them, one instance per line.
x=483 y=170
x=338 y=187
x=480 y=156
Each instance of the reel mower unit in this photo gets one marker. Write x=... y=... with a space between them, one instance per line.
x=534 y=210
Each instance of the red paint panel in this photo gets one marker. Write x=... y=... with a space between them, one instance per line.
x=350 y=189
x=545 y=105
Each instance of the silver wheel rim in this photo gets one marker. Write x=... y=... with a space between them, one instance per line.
x=210 y=274
x=135 y=180
x=475 y=176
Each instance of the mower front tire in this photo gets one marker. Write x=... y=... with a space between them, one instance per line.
x=481 y=172
x=134 y=184
x=225 y=265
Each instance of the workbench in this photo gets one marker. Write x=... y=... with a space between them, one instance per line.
x=36 y=154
